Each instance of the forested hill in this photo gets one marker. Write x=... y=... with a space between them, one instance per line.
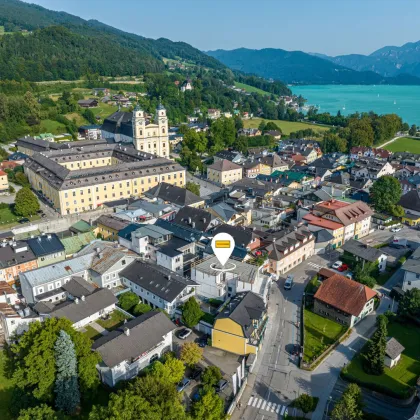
x=299 y=67
x=110 y=52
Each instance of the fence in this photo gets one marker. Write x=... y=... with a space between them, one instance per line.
x=237 y=397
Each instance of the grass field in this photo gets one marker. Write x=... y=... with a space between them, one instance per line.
x=79 y=120
x=251 y=89
x=53 y=127
x=91 y=332
x=115 y=320
x=286 y=127
x=319 y=334
x=405 y=374
x=9 y=219
x=404 y=144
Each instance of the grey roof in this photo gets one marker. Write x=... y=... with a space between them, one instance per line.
x=243 y=308
x=413 y=263
x=224 y=165
x=45 y=244
x=241 y=234
x=411 y=200
x=393 y=348
x=323 y=236
x=17 y=253
x=93 y=303
x=163 y=283
x=361 y=250
x=173 y=194
x=196 y=218
x=112 y=222
x=171 y=248
x=44 y=307
x=228 y=155
x=151 y=231
x=183 y=232
x=224 y=211
x=78 y=287
x=153 y=208
x=55 y=271
x=145 y=332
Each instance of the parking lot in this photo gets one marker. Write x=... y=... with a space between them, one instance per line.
x=227 y=362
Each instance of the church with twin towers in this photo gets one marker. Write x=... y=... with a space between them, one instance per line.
x=139 y=129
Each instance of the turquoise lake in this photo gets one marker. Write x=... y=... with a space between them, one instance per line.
x=382 y=99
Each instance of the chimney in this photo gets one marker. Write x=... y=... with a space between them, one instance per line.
x=83 y=298
x=189 y=220
x=98 y=250
x=76 y=301
x=169 y=277
x=193 y=225
x=126 y=331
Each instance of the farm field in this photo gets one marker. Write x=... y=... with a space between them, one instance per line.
x=251 y=89
x=404 y=144
x=287 y=127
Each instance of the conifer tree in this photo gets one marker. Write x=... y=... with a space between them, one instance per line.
x=66 y=382
x=375 y=355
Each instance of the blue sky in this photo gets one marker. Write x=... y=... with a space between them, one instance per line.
x=331 y=27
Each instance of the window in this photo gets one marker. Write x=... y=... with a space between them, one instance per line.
x=123 y=262
x=40 y=290
x=417 y=276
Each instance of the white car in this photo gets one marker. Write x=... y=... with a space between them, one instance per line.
x=337 y=264
x=184 y=333
x=396 y=229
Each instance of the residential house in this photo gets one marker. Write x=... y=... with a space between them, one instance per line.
x=186 y=85
x=316 y=223
x=261 y=191
x=406 y=158
x=73 y=243
x=15 y=258
x=177 y=255
x=216 y=284
x=91 y=132
x=5 y=164
x=410 y=219
x=231 y=156
x=252 y=168
x=108 y=226
x=15 y=322
x=128 y=350
x=274 y=133
x=371 y=168
x=8 y=294
x=331 y=161
x=240 y=327
x=411 y=202
x=275 y=163
x=4 y=183
x=288 y=249
x=310 y=154
x=411 y=270
x=323 y=241
x=96 y=91
x=198 y=219
x=88 y=103
x=360 y=152
x=158 y=286
x=179 y=197
x=249 y=132
x=229 y=215
x=213 y=114
x=224 y=172
x=243 y=236
x=365 y=253
x=344 y=300
x=393 y=352
x=156 y=210
x=267 y=217
x=48 y=249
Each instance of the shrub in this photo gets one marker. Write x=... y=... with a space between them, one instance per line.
x=128 y=300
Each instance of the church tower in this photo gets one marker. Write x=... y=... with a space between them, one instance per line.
x=151 y=137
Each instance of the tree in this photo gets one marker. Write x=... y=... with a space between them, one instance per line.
x=141 y=308
x=349 y=407
x=38 y=377
x=211 y=375
x=191 y=354
x=11 y=189
x=41 y=412
x=209 y=407
x=193 y=187
x=333 y=143
x=22 y=179
x=128 y=300
x=272 y=126
x=241 y=144
x=405 y=127
x=66 y=386
x=410 y=303
x=413 y=130
x=26 y=203
x=363 y=274
x=171 y=371
x=375 y=354
x=306 y=403
x=385 y=193
x=191 y=312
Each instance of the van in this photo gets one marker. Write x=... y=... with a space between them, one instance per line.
x=289 y=282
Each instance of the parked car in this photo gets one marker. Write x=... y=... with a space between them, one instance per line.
x=196 y=373
x=222 y=384
x=203 y=340
x=396 y=229
x=184 y=333
x=343 y=267
x=289 y=282
x=337 y=265
x=183 y=384
x=24 y=220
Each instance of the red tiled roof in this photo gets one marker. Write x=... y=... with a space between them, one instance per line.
x=344 y=294
x=347 y=213
x=2 y=173
x=319 y=221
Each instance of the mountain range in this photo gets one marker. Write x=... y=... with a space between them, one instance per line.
x=300 y=67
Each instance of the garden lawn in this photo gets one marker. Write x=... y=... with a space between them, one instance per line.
x=404 y=144
x=92 y=333
x=77 y=118
x=401 y=377
x=319 y=334
x=5 y=390
x=286 y=127
x=115 y=320
x=8 y=218
x=251 y=89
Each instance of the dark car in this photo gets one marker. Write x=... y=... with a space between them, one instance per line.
x=222 y=384
x=24 y=220
x=203 y=340
x=183 y=384
x=196 y=373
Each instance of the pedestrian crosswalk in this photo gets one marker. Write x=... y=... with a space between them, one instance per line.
x=317 y=266
x=268 y=406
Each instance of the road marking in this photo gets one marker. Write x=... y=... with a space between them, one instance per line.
x=255 y=402
x=273 y=408
x=268 y=406
x=259 y=403
x=283 y=410
x=250 y=400
x=263 y=405
x=278 y=409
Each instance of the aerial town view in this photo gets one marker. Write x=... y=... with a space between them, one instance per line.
x=209 y=211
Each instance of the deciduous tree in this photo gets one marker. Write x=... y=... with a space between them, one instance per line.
x=66 y=382
x=128 y=300
x=193 y=187
x=191 y=312
x=413 y=130
x=141 y=308
x=211 y=375
x=306 y=403
x=385 y=193
x=26 y=204
x=41 y=412
x=209 y=407
x=410 y=303
x=171 y=370
x=191 y=354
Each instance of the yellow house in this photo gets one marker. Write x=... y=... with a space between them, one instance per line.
x=4 y=183
x=411 y=219
x=108 y=227
x=240 y=326
x=224 y=172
